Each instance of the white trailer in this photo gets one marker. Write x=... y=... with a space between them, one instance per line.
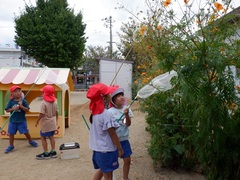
x=116 y=72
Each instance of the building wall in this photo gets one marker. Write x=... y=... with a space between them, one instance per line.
x=14 y=57
x=10 y=57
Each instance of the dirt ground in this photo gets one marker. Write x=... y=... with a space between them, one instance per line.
x=22 y=165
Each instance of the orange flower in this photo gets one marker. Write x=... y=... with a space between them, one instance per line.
x=159 y=27
x=222 y=49
x=143 y=74
x=218 y=6
x=142 y=30
x=186 y=1
x=148 y=47
x=145 y=80
x=213 y=75
x=233 y=105
x=166 y=3
x=215 y=29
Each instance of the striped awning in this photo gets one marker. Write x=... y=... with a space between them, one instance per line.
x=27 y=76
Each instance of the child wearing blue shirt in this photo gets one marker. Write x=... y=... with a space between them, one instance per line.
x=18 y=107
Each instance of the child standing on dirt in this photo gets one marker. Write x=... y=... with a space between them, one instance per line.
x=48 y=116
x=117 y=110
x=18 y=107
x=103 y=138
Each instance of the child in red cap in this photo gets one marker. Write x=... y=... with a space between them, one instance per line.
x=18 y=107
x=103 y=138
x=48 y=116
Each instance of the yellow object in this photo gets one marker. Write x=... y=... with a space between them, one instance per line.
x=31 y=81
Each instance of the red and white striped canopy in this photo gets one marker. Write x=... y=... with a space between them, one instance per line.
x=28 y=76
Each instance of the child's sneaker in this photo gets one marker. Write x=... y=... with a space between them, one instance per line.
x=33 y=143
x=53 y=154
x=9 y=149
x=43 y=156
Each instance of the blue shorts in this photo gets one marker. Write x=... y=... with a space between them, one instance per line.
x=126 y=148
x=21 y=127
x=105 y=161
x=47 y=134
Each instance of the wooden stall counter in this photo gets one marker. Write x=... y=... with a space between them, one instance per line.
x=34 y=131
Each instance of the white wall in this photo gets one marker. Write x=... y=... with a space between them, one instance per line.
x=9 y=63
x=113 y=72
x=9 y=57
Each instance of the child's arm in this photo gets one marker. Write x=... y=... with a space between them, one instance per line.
x=115 y=140
x=57 y=118
x=12 y=109
x=23 y=107
x=128 y=119
x=39 y=118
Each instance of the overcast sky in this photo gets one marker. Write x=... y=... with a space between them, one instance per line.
x=94 y=12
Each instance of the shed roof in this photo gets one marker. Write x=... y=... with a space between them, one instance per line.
x=114 y=60
x=16 y=75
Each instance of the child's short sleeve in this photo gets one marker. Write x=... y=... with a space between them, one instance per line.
x=109 y=121
x=25 y=103
x=42 y=108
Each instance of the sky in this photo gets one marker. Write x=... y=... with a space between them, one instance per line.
x=96 y=15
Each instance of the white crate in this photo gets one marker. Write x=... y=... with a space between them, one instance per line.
x=70 y=150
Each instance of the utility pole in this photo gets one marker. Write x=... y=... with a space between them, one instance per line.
x=109 y=20
x=110 y=43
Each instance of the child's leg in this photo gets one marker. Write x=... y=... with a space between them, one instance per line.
x=108 y=175
x=28 y=136
x=52 y=142
x=12 y=129
x=44 y=144
x=10 y=147
x=30 y=141
x=11 y=139
x=126 y=167
x=98 y=175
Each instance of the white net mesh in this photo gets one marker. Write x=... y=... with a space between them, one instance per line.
x=159 y=83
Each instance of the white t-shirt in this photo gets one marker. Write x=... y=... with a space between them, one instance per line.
x=100 y=139
x=123 y=130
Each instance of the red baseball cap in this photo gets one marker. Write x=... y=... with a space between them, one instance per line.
x=48 y=93
x=95 y=93
x=14 y=87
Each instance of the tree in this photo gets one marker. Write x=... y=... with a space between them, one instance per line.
x=51 y=33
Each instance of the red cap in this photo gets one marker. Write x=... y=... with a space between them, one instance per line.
x=113 y=88
x=95 y=94
x=48 y=93
x=14 y=87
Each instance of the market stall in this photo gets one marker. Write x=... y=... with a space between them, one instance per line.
x=31 y=81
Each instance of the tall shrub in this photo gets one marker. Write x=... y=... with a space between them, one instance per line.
x=197 y=121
